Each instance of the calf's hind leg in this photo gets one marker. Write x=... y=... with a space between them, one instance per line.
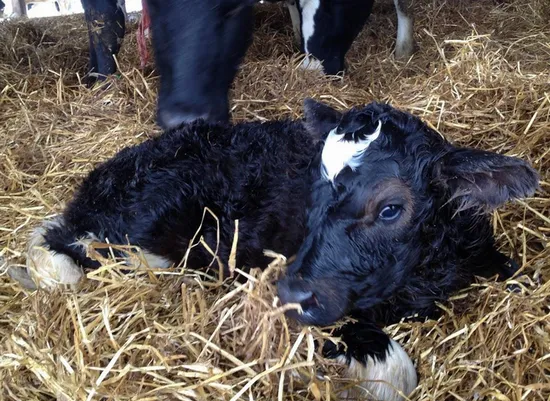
x=383 y=367
x=47 y=267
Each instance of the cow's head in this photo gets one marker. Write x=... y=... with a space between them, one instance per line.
x=385 y=179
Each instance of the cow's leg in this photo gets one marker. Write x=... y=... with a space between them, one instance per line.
x=295 y=17
x=198 y=48
x=19 y=8
x=122 y=5
x=106 y=25
x=383 y=367
x=405 y=44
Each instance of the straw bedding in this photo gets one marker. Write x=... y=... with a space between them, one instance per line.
x=481 y=77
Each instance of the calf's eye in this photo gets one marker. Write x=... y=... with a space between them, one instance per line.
x=390 y=212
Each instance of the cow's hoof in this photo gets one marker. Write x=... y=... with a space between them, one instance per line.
x=311 y=63
x=404 y=50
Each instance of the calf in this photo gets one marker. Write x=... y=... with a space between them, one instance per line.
x=385 y=217
x=200 y=45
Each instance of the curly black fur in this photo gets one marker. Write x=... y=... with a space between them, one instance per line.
x=268 y=176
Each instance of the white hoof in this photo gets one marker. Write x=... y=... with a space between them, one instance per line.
x=389 y=380
x=404 y=50
x=21 y=275
x=311 y=63
x=49 y=269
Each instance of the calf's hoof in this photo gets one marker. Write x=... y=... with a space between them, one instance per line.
x=381 y=366
x=21 y=275
x=391 y=379
x=49 y=269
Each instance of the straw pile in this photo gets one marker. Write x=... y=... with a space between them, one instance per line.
x=481 y=77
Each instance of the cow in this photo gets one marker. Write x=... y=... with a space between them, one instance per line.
x=199 y=46
x=386 y=218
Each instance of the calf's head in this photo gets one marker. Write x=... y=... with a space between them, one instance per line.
x=387 y=188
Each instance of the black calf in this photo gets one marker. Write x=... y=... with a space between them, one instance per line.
x=397 y=218
x=386 y=217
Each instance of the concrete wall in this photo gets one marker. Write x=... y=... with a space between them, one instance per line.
x=47 y=8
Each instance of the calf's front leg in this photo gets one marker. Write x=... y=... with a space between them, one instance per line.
x=385 y=370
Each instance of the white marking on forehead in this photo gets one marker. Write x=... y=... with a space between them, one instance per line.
x=309 y=9
x=339 y=153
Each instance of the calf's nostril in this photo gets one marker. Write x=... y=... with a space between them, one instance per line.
x=296 y=292
x=306 y=299
x=309 y=302
x=301 y=296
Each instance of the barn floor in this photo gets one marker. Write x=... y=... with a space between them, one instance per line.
x=481 y=77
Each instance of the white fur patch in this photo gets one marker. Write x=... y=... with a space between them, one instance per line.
x=49 y=269
x=295 y=17
x=150 y=261
x=309 y=9
x=339 y=153
x=404 y=46
x=385 y=380
x=143 y=260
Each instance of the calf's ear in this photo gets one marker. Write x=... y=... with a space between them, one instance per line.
x=480 y=179
x=320 y=118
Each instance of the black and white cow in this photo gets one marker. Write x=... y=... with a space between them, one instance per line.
x=385 y=217
x=199 y=45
